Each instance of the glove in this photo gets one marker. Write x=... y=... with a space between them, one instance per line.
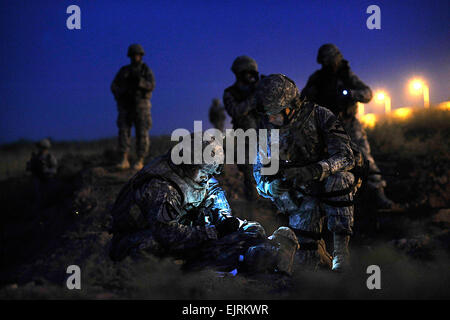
x=302 y=175
x=349 y=94
x=211 y=232
x=277 y=188
x=346 y=97
x=227 y=226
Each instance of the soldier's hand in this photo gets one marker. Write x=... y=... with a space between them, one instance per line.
x=211 y=232
x=348 y=93
x=227 y=226
x=277 y=188
x=346 y=97
x=300 y=175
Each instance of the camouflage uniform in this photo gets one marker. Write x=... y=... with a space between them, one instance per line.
x=164 y=211
x=43 y=167
x=217 y=115
x=339 y=91
x=132 y=88
x=320 y=184
x=239 y=102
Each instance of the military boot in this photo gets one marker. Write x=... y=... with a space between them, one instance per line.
x=287 y=246
x=124 y=163
x=313 y=255
x=139 y=164
x=385 y=204
x=382 y=201
x=341 y=252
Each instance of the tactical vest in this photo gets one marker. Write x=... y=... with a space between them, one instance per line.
x=300 y=140
x=133 y=94
x=248 y=121
x=125 y=207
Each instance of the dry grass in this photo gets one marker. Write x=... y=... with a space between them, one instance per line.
x=419 y=148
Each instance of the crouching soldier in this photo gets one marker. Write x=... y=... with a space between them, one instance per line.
x=314 y=179
x=180 y=210
x=43 y=167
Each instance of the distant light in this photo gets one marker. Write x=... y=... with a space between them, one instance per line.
x=416 y=85
x=381 y=96
x=369 y=120
x=403 y=113
x=345 y=92
x=444 y=105
x=360 y=109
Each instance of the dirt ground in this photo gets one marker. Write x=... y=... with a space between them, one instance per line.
x=412 y=248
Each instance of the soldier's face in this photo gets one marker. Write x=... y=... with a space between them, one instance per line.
x=136 y=58
x=249 y=77
x=332 y=63
x=201 y=176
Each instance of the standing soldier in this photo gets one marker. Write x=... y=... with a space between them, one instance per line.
x=239 y=101
x=132 y=88
x=317 y=182
x=337 y=88
x=217 y=115
x=43 y=167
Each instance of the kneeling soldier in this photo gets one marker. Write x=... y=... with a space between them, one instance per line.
x=315 y=181
x=180 y=210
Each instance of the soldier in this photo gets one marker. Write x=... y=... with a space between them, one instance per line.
x=337 y=88
x=132 y=88
x=217 y=115
x=239 y=101
x=181 y=211
x=43 y=167
x=317 y=182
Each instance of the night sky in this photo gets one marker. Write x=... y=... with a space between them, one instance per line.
x=55 y=82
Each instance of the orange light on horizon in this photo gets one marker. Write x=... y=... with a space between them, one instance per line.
x=382 y=96
x=369 y=120
x=418 y=86
x=360 y=109
x=403 y=113
x=444 y=105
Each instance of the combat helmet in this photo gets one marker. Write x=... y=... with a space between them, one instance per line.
x=44 y=144
x=328 y=51
x=275 y=93
x=135 y=49
x=216 y=102
x=244 y=63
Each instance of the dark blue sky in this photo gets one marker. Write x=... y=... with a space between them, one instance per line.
x=55 y=82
